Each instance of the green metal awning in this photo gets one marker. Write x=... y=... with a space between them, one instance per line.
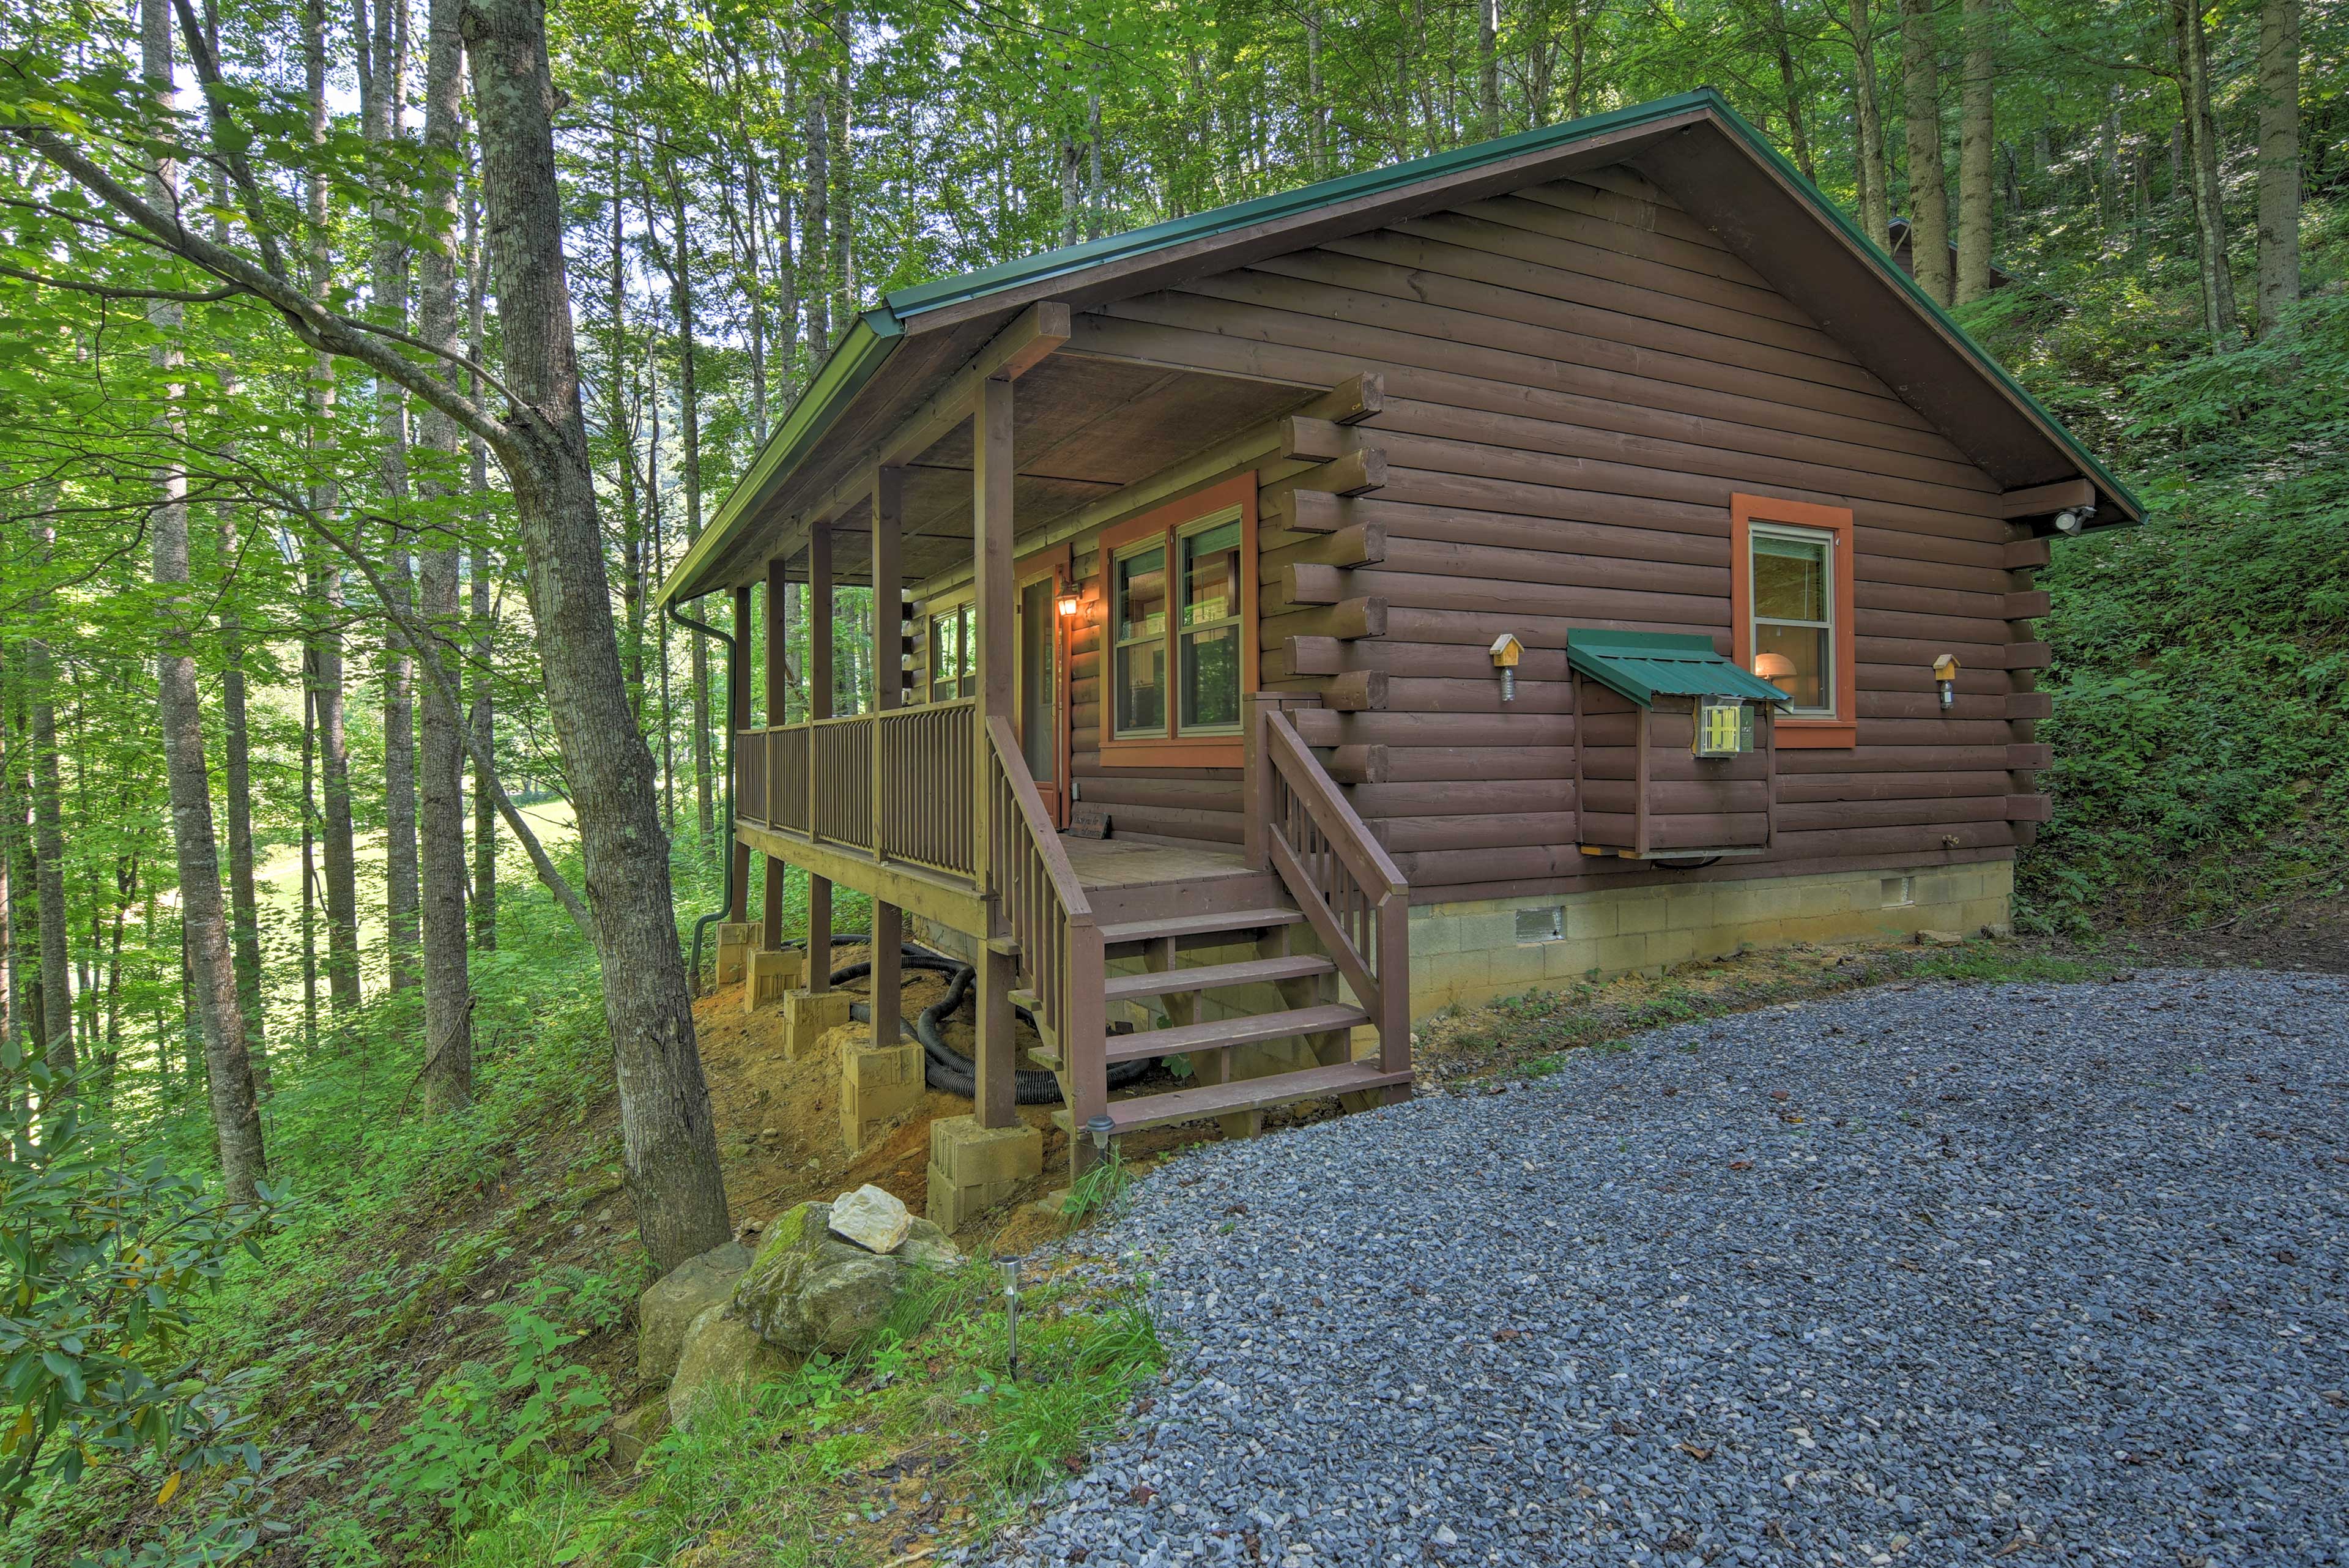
x=1645 y=664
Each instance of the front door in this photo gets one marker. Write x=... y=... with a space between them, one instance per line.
x=1038 y=687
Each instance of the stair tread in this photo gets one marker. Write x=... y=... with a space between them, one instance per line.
x=1207 y=977
x=1250 y=1094
x=1219 y=1033
x=1199 y=925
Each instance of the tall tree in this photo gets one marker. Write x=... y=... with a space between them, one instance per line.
x=2219 y=315
x=228 y=1070
x=55 y=1021
x=325 y=663
x=2279 y=162
x=1977 y=149
x=676 y=261
x=1875 y=192
x=1928 y=200
x=382 y=75
x=447 y=996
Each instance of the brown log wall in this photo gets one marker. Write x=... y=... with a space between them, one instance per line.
x=1578 y=377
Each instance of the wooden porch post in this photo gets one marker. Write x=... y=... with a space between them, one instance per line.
x=991 y=458
x=889 y=618
x=738 y=718
x=819 y=943
x=779 y=686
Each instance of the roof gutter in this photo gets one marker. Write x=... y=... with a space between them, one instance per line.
x=871 y=339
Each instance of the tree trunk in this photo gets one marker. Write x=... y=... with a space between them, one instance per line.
x=380 y=86
x=2279 y=162
x=1488 y=65
x=236 y=1118
x=2202 y=159
x=679 y=263
x=448 y=997
x=309 y=855
x=1875 y=192
x=1790 y=90
x=669 y=1141
x=1976 y=144
x=1929 y=199
x=325 y=589
x=816 y=206
x=483 y=717
x=55 y=1020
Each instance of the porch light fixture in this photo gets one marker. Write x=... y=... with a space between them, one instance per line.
x=1945 y=680
x=1068 y=604
x=1773 y=666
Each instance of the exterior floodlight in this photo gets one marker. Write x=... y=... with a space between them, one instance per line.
x=2072 y=519
x=1945 y=678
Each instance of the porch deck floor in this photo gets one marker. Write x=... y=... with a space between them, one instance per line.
x=1120 y=863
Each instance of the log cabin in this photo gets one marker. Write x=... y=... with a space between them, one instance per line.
x=1577 y=553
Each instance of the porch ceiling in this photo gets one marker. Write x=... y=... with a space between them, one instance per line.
x=1081 y=429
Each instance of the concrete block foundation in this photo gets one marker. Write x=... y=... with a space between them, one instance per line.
x=808 y=1016
x=974 y=1168
x=769 y=977
x=876 y=1087
x=735 y=940
x=1469 y=952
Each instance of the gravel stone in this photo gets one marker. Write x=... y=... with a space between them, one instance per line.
x=1924 y=1274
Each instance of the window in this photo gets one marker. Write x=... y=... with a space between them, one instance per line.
x=1180 y=622
x=1794 y=614
x=1790 y=602
x=953 y=655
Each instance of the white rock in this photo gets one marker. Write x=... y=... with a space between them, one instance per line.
x=874 y=1219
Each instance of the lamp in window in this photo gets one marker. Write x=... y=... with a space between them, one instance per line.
x=1773 y=666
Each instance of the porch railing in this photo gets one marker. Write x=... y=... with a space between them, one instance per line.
x=1058 y=957
x=1353 y=896
x=891 y=783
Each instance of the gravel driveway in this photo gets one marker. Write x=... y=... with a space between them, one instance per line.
x=1928 y=1275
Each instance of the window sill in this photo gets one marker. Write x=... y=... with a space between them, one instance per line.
x=1815 y=735
x=1209 y=752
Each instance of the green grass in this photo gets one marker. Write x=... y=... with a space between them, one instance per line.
x=831 y=1465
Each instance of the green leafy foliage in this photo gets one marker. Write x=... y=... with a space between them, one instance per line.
x=105 y=1260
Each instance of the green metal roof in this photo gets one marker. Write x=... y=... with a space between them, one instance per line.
x=1645 y=664
x=874 y=336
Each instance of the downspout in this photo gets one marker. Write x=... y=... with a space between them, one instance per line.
x=733 y=674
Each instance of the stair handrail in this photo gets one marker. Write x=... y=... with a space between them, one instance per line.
x=1058 y=947
x=1373 y=913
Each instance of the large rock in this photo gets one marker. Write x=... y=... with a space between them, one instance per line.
x=721 y=1353
x=635 y=1430
x=874 y=1220
x=671 y=1302
x=808 y=1290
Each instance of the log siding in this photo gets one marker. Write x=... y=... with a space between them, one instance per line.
x=1579 y=377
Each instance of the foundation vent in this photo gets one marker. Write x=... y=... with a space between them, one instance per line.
x=1900 y=892
x=1543 y=925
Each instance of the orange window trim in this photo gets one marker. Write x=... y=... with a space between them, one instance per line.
x=1745 y=511
x=1176 y=751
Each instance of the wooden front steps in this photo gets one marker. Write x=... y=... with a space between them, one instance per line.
x=1222 y=1034
x=1250 y=1094
x=1207 y=977
x=1207 y=925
